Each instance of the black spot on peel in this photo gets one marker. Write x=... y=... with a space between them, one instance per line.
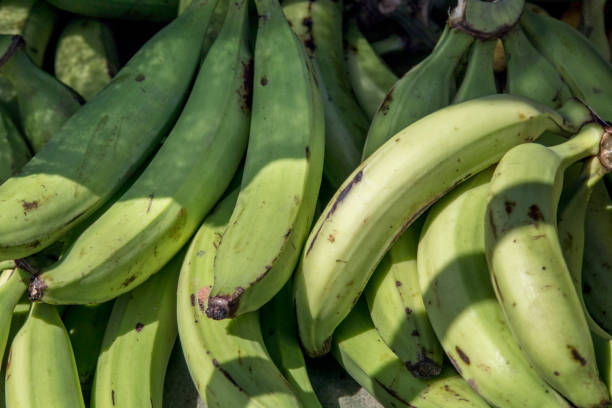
x=586 y=288
x=339 y=200
x=307 y=152
x=140 y=77
x=393 y=393
x=128 y=281
x=408 y=311
x=113 y=397
x=398 y=284
x=245 y=92
x=576 y=355
x=223 y=306
x=226 y=374
x=509 y=206
x=384 y=107
x=462 y=355
x=263 y=81
x=415 y=333
x=535 y=214
x=424 y=367
x=192 y=299
x=139 y=327
x=151 y=197
x=556 y=373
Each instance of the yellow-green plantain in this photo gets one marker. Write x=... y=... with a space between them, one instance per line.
x=462 y=307
x=41 y=370
x=397 y=309
x=279 y=329
x=530 y=276
x=14 y=152
x=151 y=10
x=227 y=359
x=62 y=184
x=318 y=24
x=86 y=56
x=13 y=282
x=370 y=77
x=45 y=103
x=426 y=88
x=158 y=214
x=363 y=354
x=530 y=74
x=137 y=344
x=282 y=173
x=19 y=316
x=586 y=72
x=391 y=188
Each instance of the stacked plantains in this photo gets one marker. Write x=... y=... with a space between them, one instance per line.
x=257 y=181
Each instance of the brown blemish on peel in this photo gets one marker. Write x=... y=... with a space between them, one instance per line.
x=424 y=367
x=576 y=355
x=140 y=77
x=139 y=327
x=226 y=374
x=128 y=281
x=384 y=107
x=509 y=206
x=151 y=197
x=307 y=152
x=36 y=289
x=263 y=81
x=462 y=355
x=29 y=205
x=393 y=393
x=331 y=238
x=408 y=311
x=203 y=297
x=224 y=306
x=341 y=197
x=245 y=91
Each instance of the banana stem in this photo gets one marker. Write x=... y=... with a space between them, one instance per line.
x=484 y=19
x=584 y=144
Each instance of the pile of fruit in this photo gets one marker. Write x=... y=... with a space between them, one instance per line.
x=258 y=182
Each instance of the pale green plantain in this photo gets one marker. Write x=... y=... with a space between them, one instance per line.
x=530 y=276
x=282 y=173
x=279 y=329
x=462 y=306
x=391 y=188
x=426 y=88
x=13 y=282
x=363 y=354
x=86 y=56
x=593 y=25
x=158 y=214
x=397 y=310
x=45 y=103
x=227 y=359
x=62 y=185
x=318 y=24
x=370 y=77
x=137 y=344
x=41 y=370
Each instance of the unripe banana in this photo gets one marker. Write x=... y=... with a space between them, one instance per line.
x=13 y=282
x=41 y=371
x=597 y=263
x=586 y=72
x=85 y=326
x=19 y=316
x=149 y=224
x=592 y=25
x=34 y=20
x=86 y=56
x=479 y=78
x=363 y=354
x=370 y=77
x=530 y=74
x=282 y=173
x=390 y=189
x=14 y=152
x=422 y=90
x=227 y=359
x=397 y=310
x=137 y=344
x=279 y=329
x=318 y=24
x=529 y=274
x=45 y=104
x=150 y=10
x=461 y=303
x=120 y=125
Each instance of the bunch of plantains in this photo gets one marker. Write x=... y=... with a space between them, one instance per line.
x=257 y=180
